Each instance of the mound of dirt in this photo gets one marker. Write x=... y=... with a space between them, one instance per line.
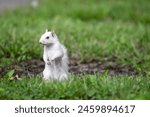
x=34 y=67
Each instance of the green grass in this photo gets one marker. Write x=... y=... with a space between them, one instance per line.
x=86 y=87
x=89 y=29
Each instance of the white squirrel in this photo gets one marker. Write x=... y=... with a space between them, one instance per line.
x=55 y=57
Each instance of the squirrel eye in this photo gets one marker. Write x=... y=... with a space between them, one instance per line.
x=47 y=37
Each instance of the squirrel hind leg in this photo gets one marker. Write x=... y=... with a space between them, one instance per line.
x=63 y=77
x=47 y=75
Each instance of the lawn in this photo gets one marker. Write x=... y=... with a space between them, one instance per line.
x=90 y=30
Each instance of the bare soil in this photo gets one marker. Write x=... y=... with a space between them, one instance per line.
x=76 y=66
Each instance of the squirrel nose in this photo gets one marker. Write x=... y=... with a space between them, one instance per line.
x=40 y=42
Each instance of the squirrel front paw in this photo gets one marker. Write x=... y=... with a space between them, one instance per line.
x=50 y=62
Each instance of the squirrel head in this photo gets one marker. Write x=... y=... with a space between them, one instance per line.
x=48 y=38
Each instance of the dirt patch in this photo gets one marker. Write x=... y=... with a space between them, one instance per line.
x=34 y=67
x=99 y=67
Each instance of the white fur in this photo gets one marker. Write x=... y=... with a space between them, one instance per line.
x=55 y=57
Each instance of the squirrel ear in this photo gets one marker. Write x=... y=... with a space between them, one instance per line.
x=46 y=30
x=53 y=33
